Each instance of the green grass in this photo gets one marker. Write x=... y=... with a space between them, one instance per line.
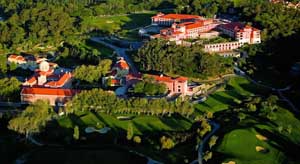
x=237 y=88
x=123 y=24
x=239 y=146
x=106 y=52
x=141 y=124
x=239 y=141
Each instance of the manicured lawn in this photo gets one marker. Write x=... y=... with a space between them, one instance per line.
x=124 y=23
x=239 y=146
x=140 y=123
x=105 y=51
x=237 y=88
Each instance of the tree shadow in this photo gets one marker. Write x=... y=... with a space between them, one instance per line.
x=222 y=99
x=289 y=148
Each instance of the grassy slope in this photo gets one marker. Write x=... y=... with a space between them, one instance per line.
x=239 y=143
x=239 y=146
x=124 y=23
x=141 y=123
x=237 y=88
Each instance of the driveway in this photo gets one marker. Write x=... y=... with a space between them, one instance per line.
x=120 y=51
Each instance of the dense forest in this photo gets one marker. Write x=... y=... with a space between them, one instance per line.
x=46 y=24
x=159 y=56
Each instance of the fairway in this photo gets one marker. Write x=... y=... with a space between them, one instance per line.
x=141 y=124
x=236 y=89
x=127 y=25
x=239 y=145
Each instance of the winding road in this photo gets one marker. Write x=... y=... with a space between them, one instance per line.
x=120 y=51
x=201 y=146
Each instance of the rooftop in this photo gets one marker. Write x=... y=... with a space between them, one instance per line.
x=49 y=91
x=177 y=16
x=169 y=79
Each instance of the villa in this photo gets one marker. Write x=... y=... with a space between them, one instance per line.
x=117 y=76
x=27 y=62
x=45 y=76
x=175 y=85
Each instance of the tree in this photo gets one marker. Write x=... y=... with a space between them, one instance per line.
x=241 y=116
x=3 y=65
x=166 y=143
x=207 y=156
x=205 y=127
x=76 y=133
x=158 y=55
x=149 y=88
x=137 y=139
x=9 y=88
x=33 y=119
x=129 y=131
x=209 y=115
x=94 y=72
x=212 y=141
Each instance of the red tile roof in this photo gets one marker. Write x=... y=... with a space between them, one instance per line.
x=181 y=79
x=32 y=80
x=168 y=79
x=21 y=58
x=238 y=27
x=234 y=26
x=122 y=64
x=13 y=56
x=115 y=81
x=178 y=16
x=194 y=25
x=48 y=91
x=61 y=82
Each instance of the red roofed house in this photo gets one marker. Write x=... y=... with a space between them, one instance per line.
x=175 y=85
x=54 y=96
x=118 y=73
x=27 y=62
x=121 y=68
x=17 y=59
x=242 y=33
x=168 y=19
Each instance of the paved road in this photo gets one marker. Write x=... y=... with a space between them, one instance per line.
x=120 y=51
x=215 y=126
